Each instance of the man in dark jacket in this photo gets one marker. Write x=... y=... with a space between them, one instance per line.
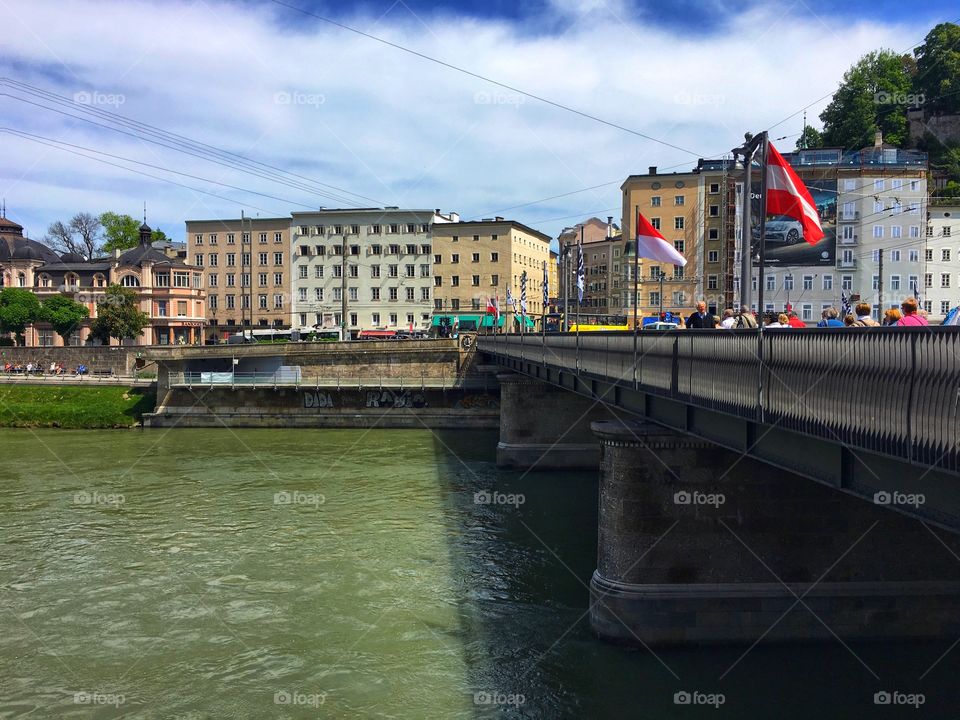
x=701 y=318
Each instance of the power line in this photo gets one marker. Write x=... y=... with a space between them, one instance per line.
x=181 y=143
x=138 y=172
x=485 y=78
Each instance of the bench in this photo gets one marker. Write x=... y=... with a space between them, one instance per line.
x=101 y=373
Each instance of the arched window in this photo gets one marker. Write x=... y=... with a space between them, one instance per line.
x=130 y=281
x=71 y=281
x=99 y=280
x=21 y=279
x=44 y=280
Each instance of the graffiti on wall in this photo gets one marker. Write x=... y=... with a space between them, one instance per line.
x=395 y=399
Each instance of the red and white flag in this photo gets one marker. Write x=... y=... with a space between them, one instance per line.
x=651 y=244
x=787 y=195
x=493 y=308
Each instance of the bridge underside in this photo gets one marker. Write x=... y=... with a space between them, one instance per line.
x=869 y=475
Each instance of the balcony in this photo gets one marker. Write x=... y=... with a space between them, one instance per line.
x=848 y=240
x=847 y=263
x=849 y=217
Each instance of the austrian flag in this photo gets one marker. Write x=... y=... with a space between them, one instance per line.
x=787 y=195
x=651 y=244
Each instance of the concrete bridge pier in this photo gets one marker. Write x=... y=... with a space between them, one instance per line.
x=543 y=426
x=700 y=545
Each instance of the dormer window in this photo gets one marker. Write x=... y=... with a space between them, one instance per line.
x=130 y=281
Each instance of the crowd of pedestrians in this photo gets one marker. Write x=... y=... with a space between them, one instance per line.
x=908 y=315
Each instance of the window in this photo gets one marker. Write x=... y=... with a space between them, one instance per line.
x=913 y=281
x=424 y=271
x=788 y=282
x=318 y=293
x=495 y=280
x=278 y=278
x=944 y=307
x=655 y=299
x=928 y=280
x=714 y=211
x=181 y=308
x=711 y=282
x=161 y=279
x=655 y=222
x=212 y=302
x=302 y=294
x=278 y=257
x=808 y=282
x=895 y=256
x=337 y=294
x=425 y=293
x=914 y=208
x=877 y=184
x=678 y=200
x=677 y=272
x=878 y=207
x=213 y=238
x=354 y=271
x=455 y=258
x=655 y=200
x=231 y=302
x=375 y=318
x=678 y=223
x=455 y=281
x=714 y=188
x=944 y=254
x=354 y=230
x=126 y=281
x=846 y=282
x=374 y=230
x=198 y=239
x=213 y=260
x=245 y=237
x=338 y=271
x=411 y=249
x=278 y=301
x=928 y=254
x=713 y=234
x=828 y=282
x=944 y=280
x=475 y=279
x=410 y=271
x=231 y=279
x=771 y=282
x=411 y=294
x=393 y=293
x=679 y=245
x=231 y=259
x=914 y=231
x=713 y=256
x=894 y=282
x=354 y=249
x=318 y=273
x=211 y=280
x=437 y=281
x=896 y=231
x=806 y=312
x=263 y=237
x=374 y=271
x=394 y=249
x=303 y=272
x=393 y=270
x=849 y=184
x=849 y=213
x=394 y=228
x=199 y=260
x=878 y=231
x=375 y=250
x=946 y=231
x=876 y=282
x=161 y=308
x=278 y=237
x=374 y=294
x=352 y=294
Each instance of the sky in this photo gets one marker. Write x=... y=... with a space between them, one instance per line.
x=338 y=119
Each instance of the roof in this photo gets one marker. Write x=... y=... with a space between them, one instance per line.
x=147 y=253
x=473 y=223
x=8 y=225
x=17 y=247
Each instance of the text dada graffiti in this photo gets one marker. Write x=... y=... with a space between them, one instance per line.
x=317 y=400
x=393 y=399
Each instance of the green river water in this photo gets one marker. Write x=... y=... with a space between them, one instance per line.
x=350 y=573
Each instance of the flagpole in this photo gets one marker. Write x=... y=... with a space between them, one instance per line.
x=764 y=149
x=579 y=299
x=636 y=289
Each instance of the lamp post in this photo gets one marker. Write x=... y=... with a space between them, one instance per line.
x=661 y=277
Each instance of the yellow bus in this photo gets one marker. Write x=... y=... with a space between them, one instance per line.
x=598 y=328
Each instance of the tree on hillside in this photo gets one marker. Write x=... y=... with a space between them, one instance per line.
x=64 y=315
x=18 y=308
x=809 y=138
x=118 y=315
x=938 y=69
x=80 y=235
x=872 y=96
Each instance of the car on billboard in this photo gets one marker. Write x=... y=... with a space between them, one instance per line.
x=782 y=229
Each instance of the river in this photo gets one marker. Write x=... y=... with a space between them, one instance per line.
x=353 y=574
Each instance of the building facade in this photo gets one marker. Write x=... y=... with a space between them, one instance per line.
x=246 y=263
x=604 y=267
x=169 y=291
x=940 y=288
x=474 y=262
x=363 y=269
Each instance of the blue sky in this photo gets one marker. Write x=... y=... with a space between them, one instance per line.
x=262 y=81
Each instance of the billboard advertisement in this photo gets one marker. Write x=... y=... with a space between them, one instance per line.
x=783 y=240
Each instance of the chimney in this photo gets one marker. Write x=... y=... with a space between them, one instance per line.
x=498 y=218
x=652 y=170
x=437 y=211
x=454 y=217
x=878 y=138
x=609 y=226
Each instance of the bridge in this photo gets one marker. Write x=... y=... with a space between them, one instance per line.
x=705 y=437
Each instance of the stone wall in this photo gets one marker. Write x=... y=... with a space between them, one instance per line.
x=120 y=360
x=327 y=407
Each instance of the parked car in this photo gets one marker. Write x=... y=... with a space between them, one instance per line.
x=660 y=326
x=783 y=229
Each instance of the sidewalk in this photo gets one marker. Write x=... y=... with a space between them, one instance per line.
x=71 y=379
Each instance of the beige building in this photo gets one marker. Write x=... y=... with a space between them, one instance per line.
x=604 y=266
x=247 y=268
x=479 y=260
x=676 y=204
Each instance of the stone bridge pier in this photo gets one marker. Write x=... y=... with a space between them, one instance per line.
x=543 y=426
x=698 y=544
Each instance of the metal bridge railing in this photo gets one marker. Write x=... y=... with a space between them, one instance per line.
x=894 y=391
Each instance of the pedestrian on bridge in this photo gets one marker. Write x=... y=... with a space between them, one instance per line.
x=701 y=318
x=911 y=318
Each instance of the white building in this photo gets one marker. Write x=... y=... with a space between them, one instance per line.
x=378 y=259
x=939 y=291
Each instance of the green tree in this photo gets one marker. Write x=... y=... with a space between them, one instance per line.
x=118 y=315
x=809 y=138
x=64 y=314
x=18 y=308
x=872 y=96
x=938 y=70
x=121 y=232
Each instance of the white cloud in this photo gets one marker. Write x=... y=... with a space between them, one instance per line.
x=331 y=105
